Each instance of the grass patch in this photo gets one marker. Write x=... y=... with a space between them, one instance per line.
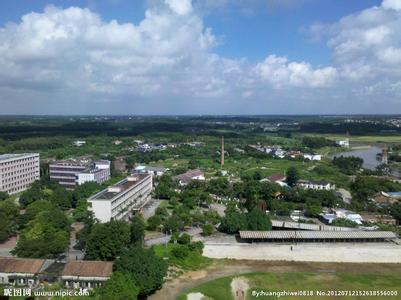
x=301 y=281
x=193 y=261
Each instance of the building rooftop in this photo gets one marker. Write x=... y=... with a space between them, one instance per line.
x=187 y=176
x=20 y=265
x=120 y=187
x=150 y=168
x=305 y=226
x=12 y=155
x=290 y=234
x=88 y=268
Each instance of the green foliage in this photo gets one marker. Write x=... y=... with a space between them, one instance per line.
x=81 y=212
x=154 y=222
x=348 y=165
x=233 y=221
x=3 y=196
x=292 y=176
x=107 y=241
x=61 y=198
x=174 y=223
x=184 y=239
x=258 y=220
x=396 y=211
x=344 y=223
x=32 y=194
x=317 y=142
x=164 y=188
x=207 y=229
x=46 y=236
x=120 y=286
x=8 y=219
x=137 y=229
x=180 y=252
x=147 y=270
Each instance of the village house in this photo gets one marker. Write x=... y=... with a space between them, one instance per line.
x=187 y=177
x=316 y=185
x=21 y=271
x=86 y=274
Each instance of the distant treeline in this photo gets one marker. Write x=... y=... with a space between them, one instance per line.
x=352 y=128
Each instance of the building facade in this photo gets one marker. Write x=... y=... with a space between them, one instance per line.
x=18 y=171
x=122 y=200
x=86 y=274
x=21 y=271
x=73 y=172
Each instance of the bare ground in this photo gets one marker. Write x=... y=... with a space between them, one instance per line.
x=172 y=288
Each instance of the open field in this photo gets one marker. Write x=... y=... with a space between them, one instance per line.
x=330 y=252
x=365 y=275
x=222 y=288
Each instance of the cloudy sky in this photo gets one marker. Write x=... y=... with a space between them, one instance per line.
x=200 y=57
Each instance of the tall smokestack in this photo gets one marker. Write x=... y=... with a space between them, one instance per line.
x=222 y=152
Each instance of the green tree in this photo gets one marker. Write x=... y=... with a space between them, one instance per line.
x=396 y=211
x=292 y=176
x=108 y=240
x=147 y=270
x=32 y=194
x=137 y=229
x=207 y=229
x=154 y=222
x=233 y=221
x=3 y=196
x=258 y=220
x=343 y=222
x=120 y=286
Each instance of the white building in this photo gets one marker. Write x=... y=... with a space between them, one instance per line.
x=316 y=185
x=18 y=171
x=73 y=172
x=99 y=172
x=343 y=143
x=313 y=156
x=121 y=200
x=187 y=177
x=86 y=274
x=154 y=171
x=79 y=143
x=343 y=213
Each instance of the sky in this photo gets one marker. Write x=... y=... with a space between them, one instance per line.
x=178 y=57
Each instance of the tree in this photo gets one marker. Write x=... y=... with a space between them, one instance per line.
x=348 y=165
x=137 y=229
x=184 y=239
x=154 y=222
x=180 y=251
x=258 y=220
x=3 y=196
x=8 y=219
x=313 y=208
x=173 y=224
x=396 y=211
x=343 y=222
x=147 y=270
x=207 y=229
x=292 y=176
x=108 y=240
x=61 y=198
x=32 y=194
x=164 y=188
x=120 y=286
x=233 y=221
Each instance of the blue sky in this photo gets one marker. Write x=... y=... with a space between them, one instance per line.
x=181 y=56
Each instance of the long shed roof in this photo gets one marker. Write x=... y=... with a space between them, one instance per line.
x=305 y=226
x=295 y=234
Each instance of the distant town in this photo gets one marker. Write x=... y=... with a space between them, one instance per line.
x=80 y=207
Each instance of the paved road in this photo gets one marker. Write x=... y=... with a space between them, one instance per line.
x=150 y=208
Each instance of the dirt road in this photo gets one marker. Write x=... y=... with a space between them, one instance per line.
x=172 y=288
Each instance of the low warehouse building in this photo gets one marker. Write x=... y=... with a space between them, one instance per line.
x=291 y=236
x=86 y=274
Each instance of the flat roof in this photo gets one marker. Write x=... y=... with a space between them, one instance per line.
x=294 y=234
x=119 y=188
x=15 y=155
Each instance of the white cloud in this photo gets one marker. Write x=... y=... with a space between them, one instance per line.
x=392 y=4
x=181 y=7
x=281 y=73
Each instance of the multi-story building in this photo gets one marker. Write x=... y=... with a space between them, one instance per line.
x=18 y=171
x=73 y=172
x=122 y=200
